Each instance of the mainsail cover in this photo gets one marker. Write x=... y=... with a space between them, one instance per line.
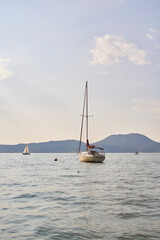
x=92 y=146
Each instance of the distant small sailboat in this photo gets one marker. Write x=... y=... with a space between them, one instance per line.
x=26 y=150
x=90 y=155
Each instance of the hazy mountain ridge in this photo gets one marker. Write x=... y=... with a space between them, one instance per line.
x=129 y=143
x=115 y=144
x=43 y=147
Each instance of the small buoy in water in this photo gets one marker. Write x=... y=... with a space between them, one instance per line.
x=55 y=159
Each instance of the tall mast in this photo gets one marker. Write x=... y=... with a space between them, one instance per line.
x=86 y=115
x=84 y=103
x=85 y=109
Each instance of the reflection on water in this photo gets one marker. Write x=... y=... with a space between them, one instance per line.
x=67 y=199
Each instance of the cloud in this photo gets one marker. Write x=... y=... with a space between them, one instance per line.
x=112 y=49
x=4 y=72
x=150 y=36
x=153 y=35
x=153 y=30
x=147 y=106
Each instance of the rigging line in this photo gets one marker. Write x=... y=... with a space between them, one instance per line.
x=92 y=129
x=86 y=113
x=82 y=120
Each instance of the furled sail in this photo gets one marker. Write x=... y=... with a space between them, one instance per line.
x=92 y=146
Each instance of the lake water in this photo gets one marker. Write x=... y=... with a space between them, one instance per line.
x=45 y=199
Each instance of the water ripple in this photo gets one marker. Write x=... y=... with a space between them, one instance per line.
x=41 y=199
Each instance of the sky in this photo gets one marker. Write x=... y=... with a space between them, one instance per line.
x=50 y=48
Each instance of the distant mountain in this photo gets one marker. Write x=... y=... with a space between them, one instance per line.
x=115 y=144
x=133 y=142
x=44 y=147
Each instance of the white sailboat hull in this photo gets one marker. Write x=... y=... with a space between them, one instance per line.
x=87 y=157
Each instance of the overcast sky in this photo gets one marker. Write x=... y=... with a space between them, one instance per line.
x=49 y=48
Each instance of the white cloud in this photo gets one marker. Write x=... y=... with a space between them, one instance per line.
x=4 y=72
x=153 y=35
x=148 y=106
x=153 y=30
x=150 y=36
x=112 y=49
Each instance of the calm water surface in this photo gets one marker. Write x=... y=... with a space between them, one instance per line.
x=44 y=199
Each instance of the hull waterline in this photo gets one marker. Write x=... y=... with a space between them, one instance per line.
x=91 y=158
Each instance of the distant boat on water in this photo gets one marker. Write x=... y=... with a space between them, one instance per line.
x=136 y=153
x=26 y=150
x=90 y=155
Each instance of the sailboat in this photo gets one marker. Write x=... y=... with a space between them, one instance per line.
x=26 y=150
x=92 y=153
